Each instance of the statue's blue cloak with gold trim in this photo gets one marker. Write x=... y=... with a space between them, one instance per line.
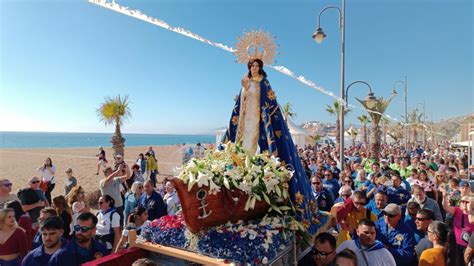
x=275 y=137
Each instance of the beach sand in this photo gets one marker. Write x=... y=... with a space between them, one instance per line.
x=18 y=165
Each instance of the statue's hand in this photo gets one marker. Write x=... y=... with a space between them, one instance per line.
x=246 y=82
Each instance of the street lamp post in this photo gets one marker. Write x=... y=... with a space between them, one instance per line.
x=423 y=121
x=405 y=89
x=370 y=95
x=319 y=36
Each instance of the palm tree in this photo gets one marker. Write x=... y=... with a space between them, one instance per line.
x=288 y=111
x=385 y=122
x=414 y=120
x=335 y=109
x=353 y=134
x=115 y=111
x=316 y=137
x=365 y=120
x=397 y=132
x=376 y=113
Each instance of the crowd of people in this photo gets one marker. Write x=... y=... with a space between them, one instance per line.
x=414 y=206
x=36 y=229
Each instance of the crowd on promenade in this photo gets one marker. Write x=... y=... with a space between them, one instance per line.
x=414 y=206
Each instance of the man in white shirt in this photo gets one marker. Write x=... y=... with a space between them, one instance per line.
x=368 y=250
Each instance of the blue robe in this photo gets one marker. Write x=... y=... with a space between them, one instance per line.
x=274 y=136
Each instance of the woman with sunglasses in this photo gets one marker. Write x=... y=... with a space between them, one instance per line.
x=138 y=219
x=131 y=199
x=108 y=225
x=347 y=181
x=461 y=225
x=442 y=253
x=5 y=192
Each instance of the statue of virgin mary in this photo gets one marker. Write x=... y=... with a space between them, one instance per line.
x=257 y=124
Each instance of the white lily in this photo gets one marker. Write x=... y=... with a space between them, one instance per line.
x=203 y=179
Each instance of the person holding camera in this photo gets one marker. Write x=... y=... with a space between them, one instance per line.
x=462 y=227
x=47 y=181
x=112 y=183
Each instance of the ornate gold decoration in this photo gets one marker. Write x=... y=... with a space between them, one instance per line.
x=271 y=95
x=235 y=120
x=255 y=44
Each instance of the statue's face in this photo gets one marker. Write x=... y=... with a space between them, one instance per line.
x=254 y=69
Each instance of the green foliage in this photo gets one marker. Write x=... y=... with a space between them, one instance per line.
x=114 y=110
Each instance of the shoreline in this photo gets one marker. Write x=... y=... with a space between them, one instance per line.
x=20 y=164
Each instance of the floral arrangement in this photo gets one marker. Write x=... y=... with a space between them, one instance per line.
x=255 y=242
x=261 y=176
x=168 y=230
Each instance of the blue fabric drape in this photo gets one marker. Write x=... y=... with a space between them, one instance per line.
x=275 y=137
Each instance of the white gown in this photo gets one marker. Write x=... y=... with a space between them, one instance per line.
x=247 y=133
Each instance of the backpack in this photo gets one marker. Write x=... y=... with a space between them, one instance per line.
x=110 y=236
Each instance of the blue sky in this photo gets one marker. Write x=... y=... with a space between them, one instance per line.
x=60 y=59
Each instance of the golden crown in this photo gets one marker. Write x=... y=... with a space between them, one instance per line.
x=255 y=44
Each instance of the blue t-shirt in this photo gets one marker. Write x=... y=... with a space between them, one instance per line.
x=154 y=205
x=400 y=241
x=81 y=255
x=333 y=186
x=37 y=257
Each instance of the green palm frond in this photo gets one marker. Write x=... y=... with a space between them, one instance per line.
x=114 y=110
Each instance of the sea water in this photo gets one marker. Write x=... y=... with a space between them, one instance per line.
x=75 y=140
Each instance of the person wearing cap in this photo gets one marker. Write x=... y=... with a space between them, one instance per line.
x=368 y=250
x=33 y=199
x=425 y=202
x=52 y=252
x=395 y=235
x=70 y=181
x=6 y=192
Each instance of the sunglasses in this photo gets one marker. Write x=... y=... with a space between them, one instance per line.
x=464 y=201
x=7 y=184
x=389 y=215
x=35 y=182
x=421 y=219
x=328 y=175
x=321 y=254
x=316 y=183
x=347 y=181
x=84 y=229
